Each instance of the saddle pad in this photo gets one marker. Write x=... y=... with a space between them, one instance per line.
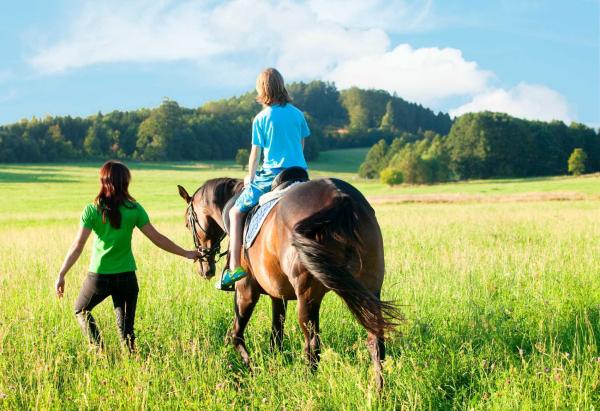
x=256 y=221
x=278 y=192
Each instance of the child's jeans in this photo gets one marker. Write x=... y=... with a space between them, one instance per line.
x=261 y=184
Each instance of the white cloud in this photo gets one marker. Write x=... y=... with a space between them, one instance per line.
x=426 y=75
x=342 y=41
x=286 y=33
x=395 y=16
x=290 y=36
x=133 y=31
x=329 y=40
x=531 y=101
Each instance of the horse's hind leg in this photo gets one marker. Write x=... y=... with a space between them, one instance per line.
x=308 y=316
x=246 y=297
x=309 y=304
x=376 y=346
x=278 y=308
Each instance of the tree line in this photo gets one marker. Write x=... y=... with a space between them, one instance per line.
x=485 y=145
x=217 y=129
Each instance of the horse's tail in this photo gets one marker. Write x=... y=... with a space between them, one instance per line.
x=325 y=242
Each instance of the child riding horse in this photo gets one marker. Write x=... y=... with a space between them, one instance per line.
x=322 y=235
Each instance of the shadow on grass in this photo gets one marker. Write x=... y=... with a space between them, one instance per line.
x=183 y=166
x=10 y=177
x=134 y=165
x=326 y=165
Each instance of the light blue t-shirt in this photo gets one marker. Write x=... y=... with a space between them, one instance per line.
x=279 y=130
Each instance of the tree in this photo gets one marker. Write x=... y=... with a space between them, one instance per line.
x=374 y=161
x=321 y=100
x=577 y=162
x=164 y=135
x=241 y=158
x=59 y=147
x=388 y=121
x=96 y=142
x=377 y=109
x=391 y=176
x=484 y=145
x=437 y=160
x=414 y=169
x=584 y=137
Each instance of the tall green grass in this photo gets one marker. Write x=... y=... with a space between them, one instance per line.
x=502 y=306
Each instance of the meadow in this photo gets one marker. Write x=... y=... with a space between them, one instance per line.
x=501 y=298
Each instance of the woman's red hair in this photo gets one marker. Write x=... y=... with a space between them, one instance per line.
x=114 y=186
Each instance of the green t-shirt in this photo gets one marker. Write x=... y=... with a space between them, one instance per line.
x=112 y=247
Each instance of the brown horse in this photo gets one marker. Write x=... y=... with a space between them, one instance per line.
x=322 y=235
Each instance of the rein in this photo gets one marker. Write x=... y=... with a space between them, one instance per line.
x=205 y=253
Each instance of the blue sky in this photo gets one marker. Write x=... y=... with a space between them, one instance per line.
x=533 y=59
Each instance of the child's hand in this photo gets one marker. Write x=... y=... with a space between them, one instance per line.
x=247 y=179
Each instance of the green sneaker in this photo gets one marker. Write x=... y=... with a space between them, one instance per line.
x=229 y=278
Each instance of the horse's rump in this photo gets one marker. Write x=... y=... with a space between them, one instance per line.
x=330 y=239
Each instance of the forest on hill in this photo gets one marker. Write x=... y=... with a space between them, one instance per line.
x=485 y=145
x=217 y=129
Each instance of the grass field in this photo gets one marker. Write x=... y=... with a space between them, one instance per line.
x=502 y=304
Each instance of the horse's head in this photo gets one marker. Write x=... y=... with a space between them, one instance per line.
x=203 y=217
x=206 y=232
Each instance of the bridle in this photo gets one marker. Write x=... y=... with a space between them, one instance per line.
x=205 y=252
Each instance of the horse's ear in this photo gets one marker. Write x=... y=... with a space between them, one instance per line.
x=184 y=194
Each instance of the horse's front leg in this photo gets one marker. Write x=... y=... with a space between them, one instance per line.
x=278 y=309
x=247 y=294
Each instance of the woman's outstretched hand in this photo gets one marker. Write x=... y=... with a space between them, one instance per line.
x=163 y=242
x=60 y=286
x=192 y=255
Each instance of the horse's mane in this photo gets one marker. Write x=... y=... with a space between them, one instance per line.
x=217 y=191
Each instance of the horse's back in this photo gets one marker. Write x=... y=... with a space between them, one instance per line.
x=306 y=199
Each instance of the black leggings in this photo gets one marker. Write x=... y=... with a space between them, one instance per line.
x=123 y=288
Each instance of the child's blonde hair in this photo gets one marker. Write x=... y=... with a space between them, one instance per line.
x=271 y=88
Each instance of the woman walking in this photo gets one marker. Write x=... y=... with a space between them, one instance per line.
x=112 y=217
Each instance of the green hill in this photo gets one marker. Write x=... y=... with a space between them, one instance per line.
x=217 y=129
